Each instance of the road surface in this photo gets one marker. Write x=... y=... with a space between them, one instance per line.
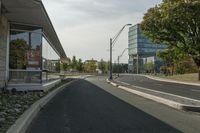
x=93 y=106
x=173 y=88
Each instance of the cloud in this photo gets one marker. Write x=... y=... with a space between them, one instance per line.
x=72 y=11
x=84 y=26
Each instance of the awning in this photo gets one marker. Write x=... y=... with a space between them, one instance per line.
x=33 y=12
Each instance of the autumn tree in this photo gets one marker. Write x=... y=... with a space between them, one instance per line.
x=175 y=23
x=90 y=66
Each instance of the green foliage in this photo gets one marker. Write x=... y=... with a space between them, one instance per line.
x=18 y=49
x=74 y=63
x=107 y=66
x=149 y=67
x=175 y=23
x=102 y=65
x=79 y=65
x=66 y=65
x=176 y=62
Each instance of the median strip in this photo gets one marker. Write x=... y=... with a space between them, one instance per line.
x=174 y=101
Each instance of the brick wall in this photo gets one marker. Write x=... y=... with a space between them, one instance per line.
x=3 y=49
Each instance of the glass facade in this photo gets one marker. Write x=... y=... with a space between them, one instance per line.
x=26 y=54
x=50 y=61
x=140 y=49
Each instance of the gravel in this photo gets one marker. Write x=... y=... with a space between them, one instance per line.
x=13 y=105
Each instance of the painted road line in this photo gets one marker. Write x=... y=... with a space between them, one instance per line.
x=168 y=102
x=196 y=90
x=195 y=100
x=161 y=100
x=159 y=84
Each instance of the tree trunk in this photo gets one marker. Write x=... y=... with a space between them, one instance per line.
x=199 y=73
x=197 y=61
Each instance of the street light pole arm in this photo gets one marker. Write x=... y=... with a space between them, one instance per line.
x=112 y=42
x=123 y=52
x=114 y=39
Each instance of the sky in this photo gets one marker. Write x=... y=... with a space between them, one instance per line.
x=85 y=27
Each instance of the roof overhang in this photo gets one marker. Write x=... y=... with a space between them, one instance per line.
x=32 y=12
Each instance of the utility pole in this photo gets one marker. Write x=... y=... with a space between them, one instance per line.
x=111 y=59
x=137 y=64
x=112 y=42
x=0 y=7
x=118 y=66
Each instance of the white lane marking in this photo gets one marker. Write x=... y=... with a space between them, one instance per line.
x=159 y=84
x=195 y=90
x=164 y=93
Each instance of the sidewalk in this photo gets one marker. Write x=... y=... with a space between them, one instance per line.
x=174 y=101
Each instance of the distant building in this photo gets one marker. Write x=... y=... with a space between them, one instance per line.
x=92 y=60
x=141 y=50
x=91 y=66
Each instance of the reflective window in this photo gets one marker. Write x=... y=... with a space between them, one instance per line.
x=19 y=44
x=51 y=62
x=25 y=50
x=25 y=54
x=50 y=57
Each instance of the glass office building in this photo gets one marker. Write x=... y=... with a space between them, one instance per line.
x=29 y=46
x=141 y=50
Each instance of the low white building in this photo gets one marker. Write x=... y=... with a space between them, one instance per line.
x=27 y=36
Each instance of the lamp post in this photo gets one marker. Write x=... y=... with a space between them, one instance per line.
x=119 y=58
x=112 y=42
x=0 y=6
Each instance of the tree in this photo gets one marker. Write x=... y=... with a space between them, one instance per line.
x=102 y=65
x=172 y=57
x=149 y=67
x=175 y=23
x=66 y=65
x=79 y=65
x=74 y=62
x=107 y=66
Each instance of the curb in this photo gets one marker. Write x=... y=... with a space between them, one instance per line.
x=22 y=123
x=161 y=100
x=170 y=81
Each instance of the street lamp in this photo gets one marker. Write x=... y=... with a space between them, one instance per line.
x=112 y=43
x=120 y=57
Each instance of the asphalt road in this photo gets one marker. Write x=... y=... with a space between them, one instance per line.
x=173 y=88
x=93 y=106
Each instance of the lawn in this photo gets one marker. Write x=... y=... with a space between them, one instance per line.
x=193 y=77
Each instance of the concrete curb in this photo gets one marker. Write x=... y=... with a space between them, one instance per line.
x=170 y=81
x=22 y=123
x=161 y=100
